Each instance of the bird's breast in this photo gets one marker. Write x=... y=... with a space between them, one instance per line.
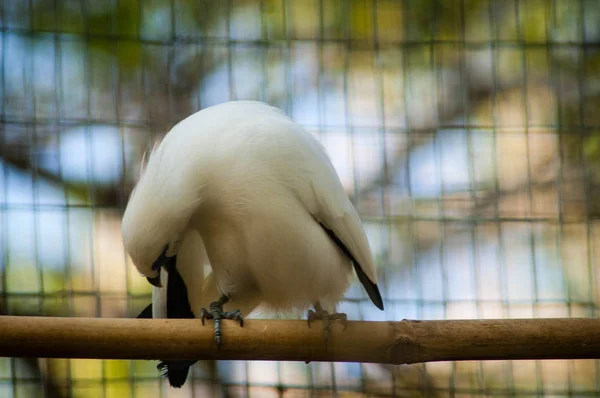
x=274 y=246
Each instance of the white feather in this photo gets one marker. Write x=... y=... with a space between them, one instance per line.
x=191 y=257
x=159 y=298
x=243 y=185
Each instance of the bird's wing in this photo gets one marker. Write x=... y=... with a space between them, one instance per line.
x=323 y=195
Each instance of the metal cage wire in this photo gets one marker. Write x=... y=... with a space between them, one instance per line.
x=466 y=133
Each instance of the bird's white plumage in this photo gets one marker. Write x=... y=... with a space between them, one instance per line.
x=245 y=186
x=159 y=298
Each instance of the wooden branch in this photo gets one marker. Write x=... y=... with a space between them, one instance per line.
x=383 y=342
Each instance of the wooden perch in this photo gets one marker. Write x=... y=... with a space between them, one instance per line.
x=383 y=342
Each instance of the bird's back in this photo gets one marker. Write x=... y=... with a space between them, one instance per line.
x=268 y=189
x=265 y=190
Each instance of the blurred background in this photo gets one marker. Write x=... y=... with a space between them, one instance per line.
x=466 y=132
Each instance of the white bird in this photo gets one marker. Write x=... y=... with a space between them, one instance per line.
x=243 y=186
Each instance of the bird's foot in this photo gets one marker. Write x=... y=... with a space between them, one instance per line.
x=320 y=314
x=216 y=313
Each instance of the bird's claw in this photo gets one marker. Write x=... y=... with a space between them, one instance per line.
x=326 y=317
x=216 y=313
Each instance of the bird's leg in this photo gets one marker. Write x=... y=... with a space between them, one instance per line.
x=320 y=314
x=216 y=313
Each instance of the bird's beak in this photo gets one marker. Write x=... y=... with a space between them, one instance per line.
x=156 y=266
x=155 y=281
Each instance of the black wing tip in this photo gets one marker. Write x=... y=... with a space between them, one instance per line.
x=375 y=297
x=370 y=287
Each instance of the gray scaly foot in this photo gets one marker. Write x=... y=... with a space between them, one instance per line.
x=320 y=314
x=216 y=313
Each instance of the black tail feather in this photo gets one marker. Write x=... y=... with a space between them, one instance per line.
x=146 y=313
x=178 y=306
x=175 y=371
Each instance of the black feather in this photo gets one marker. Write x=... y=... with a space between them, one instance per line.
x=146 y=312
x=175 y=371
x=178 y=303
x=178 y=306
x=370 y=287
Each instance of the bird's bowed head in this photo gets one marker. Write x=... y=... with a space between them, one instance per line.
x=155 y=216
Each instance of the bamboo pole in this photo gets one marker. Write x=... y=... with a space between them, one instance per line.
x=382 y=342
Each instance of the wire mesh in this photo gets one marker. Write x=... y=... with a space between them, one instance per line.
x=466 y=133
